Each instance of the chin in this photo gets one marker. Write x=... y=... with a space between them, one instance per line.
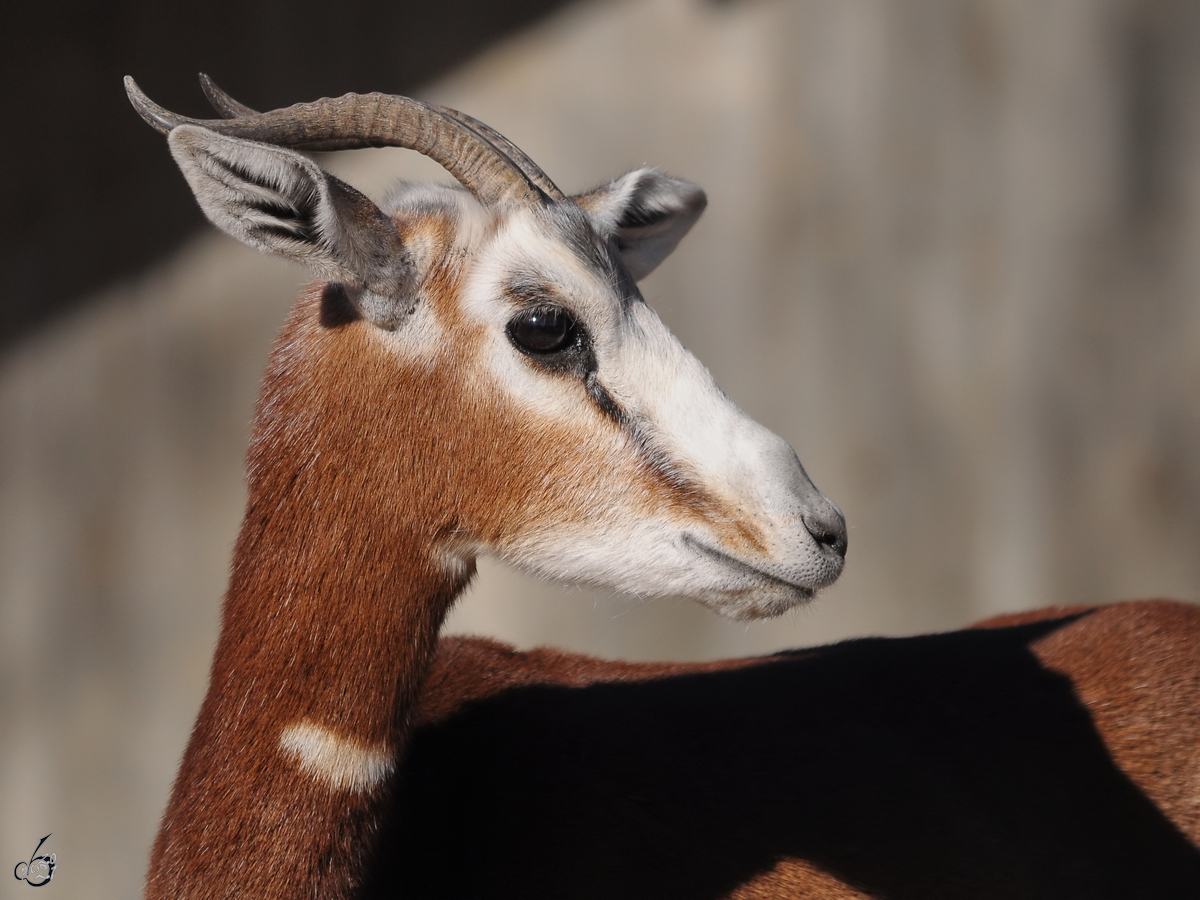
x=765 y=602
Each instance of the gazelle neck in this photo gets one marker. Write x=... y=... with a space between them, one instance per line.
x=487 y=377
x=336 y=597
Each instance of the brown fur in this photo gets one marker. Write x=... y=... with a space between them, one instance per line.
x=1071 y=741
x=1142 y=688
x=367 y=474
x=364 y=472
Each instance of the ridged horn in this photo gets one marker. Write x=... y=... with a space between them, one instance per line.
x=371 y=120
x=229 y=108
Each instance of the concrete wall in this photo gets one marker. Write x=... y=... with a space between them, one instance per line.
x=950 y=254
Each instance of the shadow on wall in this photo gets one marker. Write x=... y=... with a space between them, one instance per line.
x=82 y=150
x=949 y=255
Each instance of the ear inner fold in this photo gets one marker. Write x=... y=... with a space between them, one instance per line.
x=281 y=202
x=646 y=213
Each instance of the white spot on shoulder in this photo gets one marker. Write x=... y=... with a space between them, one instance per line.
x=341 y=763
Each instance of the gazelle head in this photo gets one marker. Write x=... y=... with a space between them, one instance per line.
x=478 y=369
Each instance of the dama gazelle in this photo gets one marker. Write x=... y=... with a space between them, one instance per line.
x=475 y=371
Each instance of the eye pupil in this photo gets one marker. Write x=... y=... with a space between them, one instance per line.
x=543 y=330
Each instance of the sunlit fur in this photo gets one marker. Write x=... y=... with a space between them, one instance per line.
x=702 y=473
x=646 y=478
x=400 y=433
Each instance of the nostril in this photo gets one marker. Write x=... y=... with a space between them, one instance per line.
x=829 y=532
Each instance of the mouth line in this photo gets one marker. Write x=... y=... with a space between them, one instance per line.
x=726 y=559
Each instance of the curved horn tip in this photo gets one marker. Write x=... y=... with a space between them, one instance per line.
x=224 y=104
x=158 y=118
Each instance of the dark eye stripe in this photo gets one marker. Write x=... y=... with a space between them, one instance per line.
x=604 y=401
x=554 y=340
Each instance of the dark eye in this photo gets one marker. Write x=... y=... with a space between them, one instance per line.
x=545 y=329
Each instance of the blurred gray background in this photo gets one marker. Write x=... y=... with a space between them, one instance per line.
x=950 y=255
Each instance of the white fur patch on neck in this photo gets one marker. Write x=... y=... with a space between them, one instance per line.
x=341 y=763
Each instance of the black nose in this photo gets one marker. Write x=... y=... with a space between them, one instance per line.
x=828 y=529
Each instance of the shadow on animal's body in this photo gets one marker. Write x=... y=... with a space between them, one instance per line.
x=1049 y=759
x=475 y=372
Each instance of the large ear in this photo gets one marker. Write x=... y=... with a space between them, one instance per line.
x=281 y=202
x=646 y=213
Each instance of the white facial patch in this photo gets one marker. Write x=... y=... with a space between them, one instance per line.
x=523 y=244
x=757 y=559
x=341 y=763
x=754 y=555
